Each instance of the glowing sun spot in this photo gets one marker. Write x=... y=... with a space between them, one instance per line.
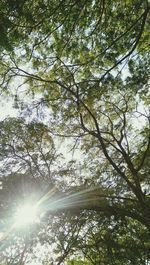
x=25 y=215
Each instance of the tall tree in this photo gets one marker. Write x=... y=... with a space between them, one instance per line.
x=79 y=75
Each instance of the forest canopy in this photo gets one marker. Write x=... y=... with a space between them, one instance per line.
x=74 y=175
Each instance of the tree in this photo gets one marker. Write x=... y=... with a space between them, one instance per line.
x=82 y=72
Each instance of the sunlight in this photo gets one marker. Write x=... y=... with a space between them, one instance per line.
x=25 y=215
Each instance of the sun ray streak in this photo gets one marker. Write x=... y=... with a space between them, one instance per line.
x=51 y=202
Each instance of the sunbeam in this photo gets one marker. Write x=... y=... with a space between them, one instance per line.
x=29 y=213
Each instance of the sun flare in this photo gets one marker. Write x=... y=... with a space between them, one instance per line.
x=25 y=215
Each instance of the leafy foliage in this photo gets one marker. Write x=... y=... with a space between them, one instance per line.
x=78 y=72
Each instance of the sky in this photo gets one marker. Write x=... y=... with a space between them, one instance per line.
x=6 y=109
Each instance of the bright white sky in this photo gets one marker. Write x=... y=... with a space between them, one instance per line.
x=6 y=109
